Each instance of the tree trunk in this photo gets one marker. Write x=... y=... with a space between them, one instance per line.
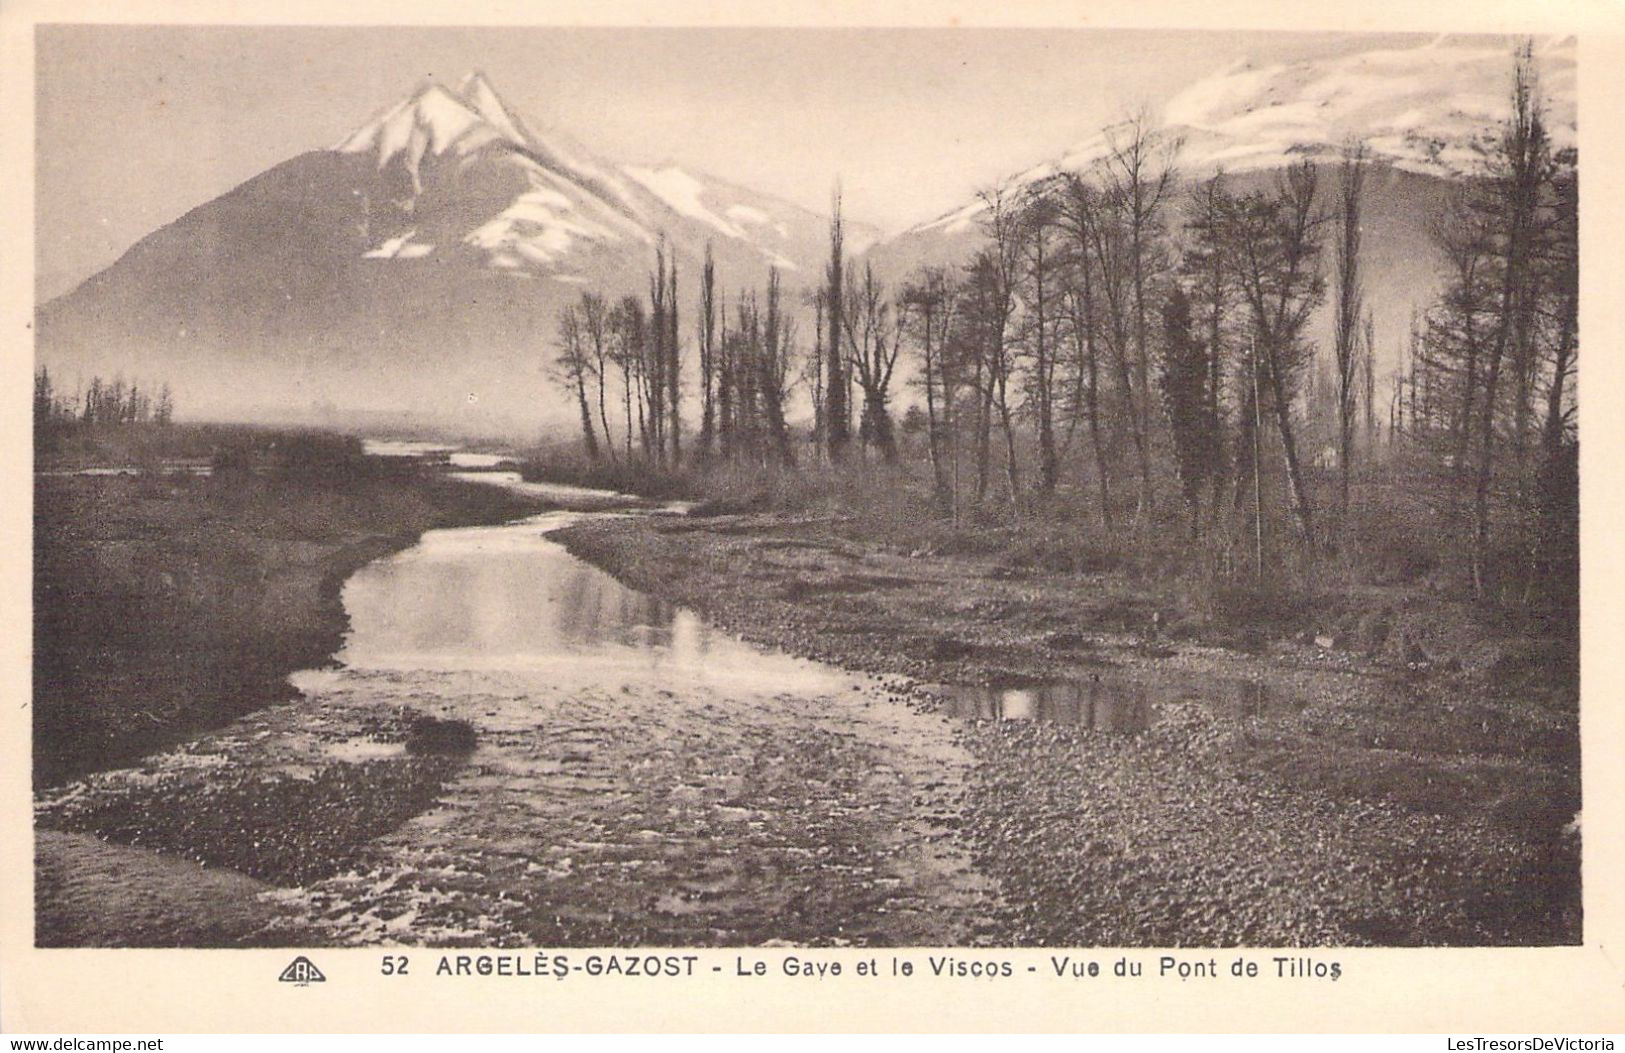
x=603 y=414
x=1484 y=476
x=1048 y=464
x=1011 y=469
x=1283 y=419
x=673 y=370
x=707 y=356
x=933 y=436
x=1552 y=440
x=984 y=432
x=837 y=417
x=880 y=426
x=589 y=434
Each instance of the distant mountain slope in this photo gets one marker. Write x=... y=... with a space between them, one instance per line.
x=1426 y=114
x=415 y=267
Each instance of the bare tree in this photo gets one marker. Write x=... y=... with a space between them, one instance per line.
x=1136 y=176
x=1096 y=222
x=1455 y=329
x=744 y=350
x=837 y=416
x=1040 y=263
x=1523 y=168
x=164 y=413
x=654 y=373
x=813 y=374
x=628 y=334
x=773 y=358
x=969 y=346
x=1077 y=210
x=1274 y=243
x=1183 y=377
x=995 y=272
x=572 y=367
x=707 y=335
x=931 y=303
x=1212 y=287
x=595 y=334
x=1368 y=363
x=1565 y=283
x=727 y=386
x=873 y=332
x=1350 y=296
x=672 y=368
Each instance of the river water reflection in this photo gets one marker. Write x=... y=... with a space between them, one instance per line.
x=1108 y=703
x=507 y=599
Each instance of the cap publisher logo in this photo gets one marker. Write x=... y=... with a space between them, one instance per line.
x=303 y=972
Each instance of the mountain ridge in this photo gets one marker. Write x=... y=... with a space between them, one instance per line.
x=1426 y=114
x=419 y=263
x=1427 y=109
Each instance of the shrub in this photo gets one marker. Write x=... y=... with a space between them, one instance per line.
x=431 y=735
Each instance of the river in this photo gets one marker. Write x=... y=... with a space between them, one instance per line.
x=636 y=777
x=639 y=777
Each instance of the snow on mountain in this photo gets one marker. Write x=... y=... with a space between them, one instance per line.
x=538 y=230
x=1422 y=109
x=477 y=92
x=682 y=192
x=431 y=121
x=565 y=199
x=1430 y=110
x=399 y=247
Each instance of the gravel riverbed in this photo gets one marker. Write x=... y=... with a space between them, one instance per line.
x=1370 y=802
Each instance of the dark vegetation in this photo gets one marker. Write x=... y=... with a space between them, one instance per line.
x=168 y=602
x=288 y=829
x=431 y=735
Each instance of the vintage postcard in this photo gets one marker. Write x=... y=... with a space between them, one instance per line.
x=562 y=518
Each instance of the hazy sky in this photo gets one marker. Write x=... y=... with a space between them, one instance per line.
x=136 y=125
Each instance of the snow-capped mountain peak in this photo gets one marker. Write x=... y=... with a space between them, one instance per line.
x=533 y=204
x=477 y=93
x=432 y=120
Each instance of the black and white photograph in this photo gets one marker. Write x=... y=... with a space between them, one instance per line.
x=805 y=487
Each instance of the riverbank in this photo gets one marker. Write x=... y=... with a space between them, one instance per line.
x=729 y=797
x=170 y=603
x=1192 y=785
x=1403 y=778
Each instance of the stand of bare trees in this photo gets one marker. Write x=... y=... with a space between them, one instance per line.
x=1499 y=347
x=754 y=380
x=592 y=338
x=1120 y=329
x=100 y=403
